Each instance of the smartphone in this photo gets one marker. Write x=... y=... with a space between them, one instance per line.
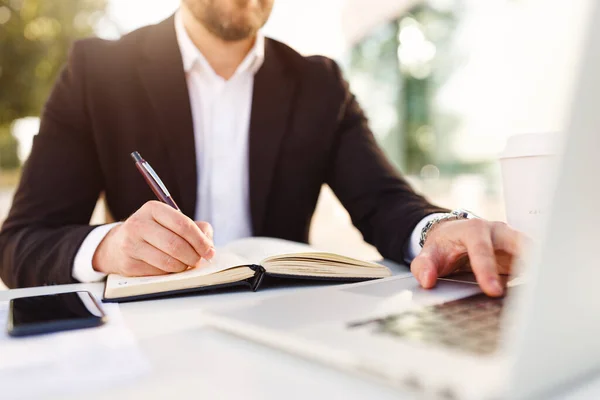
x=37 y=315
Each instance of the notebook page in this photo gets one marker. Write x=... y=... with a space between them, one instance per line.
x=223 y=260
x=256 y=249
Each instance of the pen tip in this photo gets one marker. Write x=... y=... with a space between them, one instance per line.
x=137 y=157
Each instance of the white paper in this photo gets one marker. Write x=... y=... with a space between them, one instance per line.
x=256 y=249
x=69 y=362
x=222 y=261
x=238 y=253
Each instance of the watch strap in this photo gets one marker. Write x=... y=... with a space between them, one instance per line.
x=454 y=215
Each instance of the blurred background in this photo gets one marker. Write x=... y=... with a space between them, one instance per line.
x=443 y=82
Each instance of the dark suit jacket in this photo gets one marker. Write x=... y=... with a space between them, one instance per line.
x=114 y=97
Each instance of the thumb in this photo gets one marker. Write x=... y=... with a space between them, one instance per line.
x=424 y=269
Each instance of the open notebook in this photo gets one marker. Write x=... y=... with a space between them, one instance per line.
x=246 y=262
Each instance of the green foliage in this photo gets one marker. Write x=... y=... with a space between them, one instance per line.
x=34 y=42
x=374 y=73
x=422 y=128
x=35 y=36
x=421 y=132
x=8 y=150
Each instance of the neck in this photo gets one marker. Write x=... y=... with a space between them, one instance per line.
x=224 y=57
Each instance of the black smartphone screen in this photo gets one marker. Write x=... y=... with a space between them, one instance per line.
x=53 y=312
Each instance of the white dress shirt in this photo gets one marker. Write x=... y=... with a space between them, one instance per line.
x=221 y=117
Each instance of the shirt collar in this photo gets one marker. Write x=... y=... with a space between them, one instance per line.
x=191 y=55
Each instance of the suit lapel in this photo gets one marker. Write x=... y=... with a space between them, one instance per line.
x=272 y=101
x=162 y=74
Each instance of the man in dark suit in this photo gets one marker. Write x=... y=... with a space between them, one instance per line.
x=244 y=132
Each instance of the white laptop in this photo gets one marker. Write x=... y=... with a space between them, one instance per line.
x=452 y=342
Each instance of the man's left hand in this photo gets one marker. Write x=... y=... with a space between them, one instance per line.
x=487 y=248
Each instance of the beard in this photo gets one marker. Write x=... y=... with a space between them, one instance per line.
x=231 y=20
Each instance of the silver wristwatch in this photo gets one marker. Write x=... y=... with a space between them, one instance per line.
x=452 y=216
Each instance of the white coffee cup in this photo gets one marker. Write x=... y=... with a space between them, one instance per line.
x=527 y=169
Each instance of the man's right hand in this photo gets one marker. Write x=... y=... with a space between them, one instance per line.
x=155 y=240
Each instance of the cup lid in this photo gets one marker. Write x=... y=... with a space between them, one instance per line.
x=530 y=145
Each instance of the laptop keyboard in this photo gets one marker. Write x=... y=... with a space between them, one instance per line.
x=470 y=324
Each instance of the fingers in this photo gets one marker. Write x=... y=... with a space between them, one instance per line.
x=507 y=239
x=140 y=268
x=425 y=270
x=155 y=258
x=168 y=242
x=156 y=239
x=207 y=229
x=182 y=226
x=490 y=247
x=509 y=244
x=478 y=241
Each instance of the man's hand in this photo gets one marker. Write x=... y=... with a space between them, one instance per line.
x=486 y=248
x=155 y=240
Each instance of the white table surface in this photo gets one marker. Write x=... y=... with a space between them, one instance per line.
x=191 y=360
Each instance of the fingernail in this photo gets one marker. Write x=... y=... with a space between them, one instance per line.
x=210 y=253
x=496 y=287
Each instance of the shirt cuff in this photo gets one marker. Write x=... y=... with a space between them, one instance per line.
x=83 y=271
x=414 y=248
